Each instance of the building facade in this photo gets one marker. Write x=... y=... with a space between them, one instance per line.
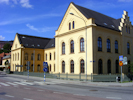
x=85 y=42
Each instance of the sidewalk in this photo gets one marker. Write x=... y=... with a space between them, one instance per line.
x=88 y=83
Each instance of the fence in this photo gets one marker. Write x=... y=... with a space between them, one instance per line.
x=80 y=77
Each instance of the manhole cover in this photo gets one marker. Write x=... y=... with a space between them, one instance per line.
x=93 y=90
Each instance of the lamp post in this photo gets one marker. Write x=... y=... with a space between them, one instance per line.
x=33 y=57
x=86 y=42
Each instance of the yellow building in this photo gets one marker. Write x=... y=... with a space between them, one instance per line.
x=81 y=29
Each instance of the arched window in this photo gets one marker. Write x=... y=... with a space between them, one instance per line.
x=117 y=66
x=38 y=68
x=46 y=56
x=69 y=26
x=63 y=48
x=72 y=66
x=99 y=42
x=128 y=48
x=31 y=68
x=100 y=65
x=13 y=57
x=50 y=56
x=63 y=67
x=109 y=66
x=18 y=56
x=38 y=57
x=129 y=66
x=82 y=66
x=32 y=55
x=72 y=46
x=73 y=25
x=108 y=45
x=81 y=44
x=50 y=68
x=116 y=46
x=26 y=56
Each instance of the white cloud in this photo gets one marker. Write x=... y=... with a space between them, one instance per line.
x=124 y=0
x=27 y=19
x=44 y=29
x=4 y=1
x=1 y=37
x=25 y=3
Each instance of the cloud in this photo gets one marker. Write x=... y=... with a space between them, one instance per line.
x=124 y=0
x=27 y=19
x=44 y=29
x=4 y=1
x=1 y=37
x=23 y=3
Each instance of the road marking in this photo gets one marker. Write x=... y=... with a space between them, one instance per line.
x=9 y=96
x=39 y=90
x=27 y=83
x=113 y=98
x=19 y=83
x=4 y=84
x=27 y=88
x=27 y=99
x=58 y=92
x=79 y=94
x=11 y=83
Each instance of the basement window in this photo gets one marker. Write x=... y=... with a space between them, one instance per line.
x=105 y=23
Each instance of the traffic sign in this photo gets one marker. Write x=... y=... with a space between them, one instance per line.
x=45 y=69
x=121 y=58
x=120 y=63
x=125 y=61
x=28 y=68
x=45 y=64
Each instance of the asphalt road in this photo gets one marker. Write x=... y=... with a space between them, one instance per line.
x=15 y=88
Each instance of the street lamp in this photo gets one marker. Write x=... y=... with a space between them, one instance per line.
x=86 y=42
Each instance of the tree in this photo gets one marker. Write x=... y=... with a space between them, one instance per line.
x=7 y=48
x=130 y=66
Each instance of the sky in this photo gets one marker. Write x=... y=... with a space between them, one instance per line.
x=42 y=17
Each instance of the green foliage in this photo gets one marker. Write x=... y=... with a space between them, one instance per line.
x=130 y=66
x=7 y=48
x=1 y=51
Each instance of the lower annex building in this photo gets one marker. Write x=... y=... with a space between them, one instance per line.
x=81 y=29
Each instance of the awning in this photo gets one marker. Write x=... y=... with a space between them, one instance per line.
x=3 y=66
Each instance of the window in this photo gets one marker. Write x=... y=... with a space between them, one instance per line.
x=63 y=48
x=50 y=68
x=129 y=30
x=25 y=67
x=32 y=55
x=50 y=56
x=73 y=25
x=69 y=26
x=108 y=46
x=117 y=66
x=54 y=67
x=109 y=66
x=13 y=57
x=126 y=29
x=128 y=66
x=72 y=46
x=82 y=66
x=100 y=66
x=81 y=44
x=99 y=44
x=46 y=56
x=18 y=56
x=38 y=57
x=116 y=46
x=26 y=56
x=72 y=66
x=31 y=68
x=54 y=55
x=38 y=68
x=63 y=67
x=128 y=48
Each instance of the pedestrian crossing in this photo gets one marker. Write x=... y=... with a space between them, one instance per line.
x=15 y=83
